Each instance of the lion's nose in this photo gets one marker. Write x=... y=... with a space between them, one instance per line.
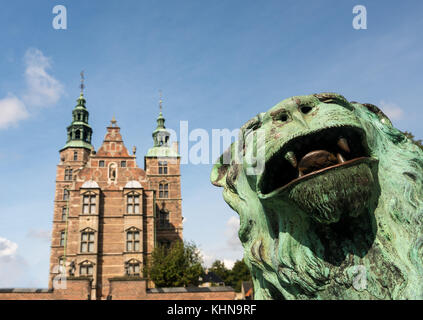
x=298 y=117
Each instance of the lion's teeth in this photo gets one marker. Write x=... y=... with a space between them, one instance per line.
x=340 y=158
x=343 y=144
x=290 y=156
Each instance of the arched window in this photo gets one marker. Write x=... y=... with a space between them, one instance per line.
x=87 y=240
x=164 y=190
x=65 y=194
x=162 y=167
x=132 y=240
x=133 y=203
x=68 y=174
x=89 y=203
x=86 y=268
x=132 y=267
x=77 y=134
x=112 y=171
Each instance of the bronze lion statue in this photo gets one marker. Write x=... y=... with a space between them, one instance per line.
x=330 y=199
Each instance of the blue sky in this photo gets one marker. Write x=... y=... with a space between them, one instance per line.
x=218 y=64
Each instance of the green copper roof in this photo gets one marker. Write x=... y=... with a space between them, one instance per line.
x=79 y=131
x=161 y=140
x=77 y=144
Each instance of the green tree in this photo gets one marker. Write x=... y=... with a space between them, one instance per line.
x=412 y=138
x=177 y=266
x=218 y=267
x=237 y=275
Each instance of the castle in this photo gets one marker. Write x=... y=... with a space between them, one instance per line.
x=108 y=212
x=109 y=215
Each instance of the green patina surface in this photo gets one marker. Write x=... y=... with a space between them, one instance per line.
x=79 y=132
x=349 y=230
x=161 y=141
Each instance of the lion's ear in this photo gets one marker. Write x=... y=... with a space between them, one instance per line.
x=220 y=169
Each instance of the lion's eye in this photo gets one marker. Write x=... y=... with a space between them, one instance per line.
x=305 y=109
x=283 y=117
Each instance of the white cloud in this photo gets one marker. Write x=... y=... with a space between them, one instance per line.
x=12 y=110
x=43 y=89
x=39 y=234
x=393 y=111
x=230 y=251
x=8 y=248
x=232 y=240
x=13 y=268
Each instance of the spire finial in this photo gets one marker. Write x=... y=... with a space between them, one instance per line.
x=82 y=85
x=113 y=121
x=160 y=101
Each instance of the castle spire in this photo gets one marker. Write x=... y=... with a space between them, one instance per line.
x=160 y=135
x=79 y=131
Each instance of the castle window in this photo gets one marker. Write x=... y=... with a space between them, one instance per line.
x=162 y=167
x=86 y=269
x=101 y=163
x=123 y=164
x=65 y=194
x=89 y=203
x=77 y=134
x=164 y=219
x=133 y=203
x=163 y=190
x=75 y=155
x=64 y=213
x=87 y=241
x=62 y=238
x=132 y=267
x=132 y=240
x=68 y=174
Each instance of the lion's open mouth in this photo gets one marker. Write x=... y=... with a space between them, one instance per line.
x=313 y=154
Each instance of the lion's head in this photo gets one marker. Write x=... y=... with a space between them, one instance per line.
x=333 y=207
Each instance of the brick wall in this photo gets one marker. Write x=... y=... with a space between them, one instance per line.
x=75 y=290
x=137 y=290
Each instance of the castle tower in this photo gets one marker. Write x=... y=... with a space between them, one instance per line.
x=73 y=156
x=162 y=166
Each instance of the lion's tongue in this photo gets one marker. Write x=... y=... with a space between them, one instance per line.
x=316 y=160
